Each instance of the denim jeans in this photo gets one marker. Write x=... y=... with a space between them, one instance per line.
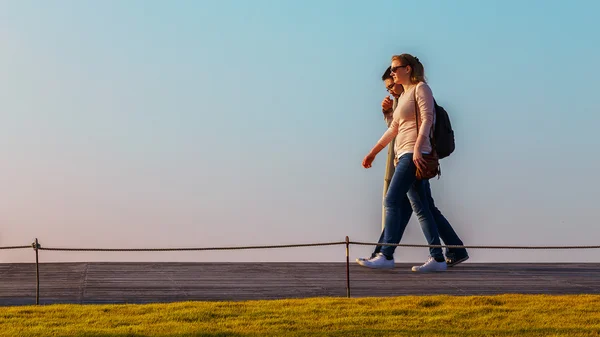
x=406 y=194
x=445 y=230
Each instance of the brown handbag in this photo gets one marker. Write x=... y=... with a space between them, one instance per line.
x=432 y=161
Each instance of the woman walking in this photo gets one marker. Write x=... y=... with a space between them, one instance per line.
x=412 y=126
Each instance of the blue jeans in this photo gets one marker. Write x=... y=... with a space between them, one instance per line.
x=445 y=230
x=406 y=194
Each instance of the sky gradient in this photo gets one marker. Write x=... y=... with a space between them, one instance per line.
x=197 y=123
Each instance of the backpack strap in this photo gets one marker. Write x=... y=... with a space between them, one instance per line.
x=417 y=117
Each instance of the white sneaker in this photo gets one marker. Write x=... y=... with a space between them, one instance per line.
x=377 y=262
x=431 y=265
x=358 y=259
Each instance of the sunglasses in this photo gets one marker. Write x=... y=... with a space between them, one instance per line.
x=394 y=69
x=390 y=87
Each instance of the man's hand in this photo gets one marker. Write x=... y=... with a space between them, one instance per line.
x=387 y=103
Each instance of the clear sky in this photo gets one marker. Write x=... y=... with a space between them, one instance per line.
x=197 y=123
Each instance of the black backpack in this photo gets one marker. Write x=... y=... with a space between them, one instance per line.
x=443 y=135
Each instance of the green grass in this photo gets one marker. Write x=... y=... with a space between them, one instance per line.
x=503 y=315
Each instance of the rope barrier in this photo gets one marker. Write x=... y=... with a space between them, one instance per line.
x=471 y=247
x=335 y=243
x=14 y=247
x=191 y=249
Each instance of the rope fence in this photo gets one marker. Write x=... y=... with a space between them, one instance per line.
x=14 y=247
x=191 y=249
x=37 y=247
x=471 y=247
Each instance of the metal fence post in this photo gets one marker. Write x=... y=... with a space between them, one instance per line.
x=36 y=246
x=347 y=267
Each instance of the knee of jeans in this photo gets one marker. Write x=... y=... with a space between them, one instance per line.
x=417 y=206
x=435 y=211
x=391 y=202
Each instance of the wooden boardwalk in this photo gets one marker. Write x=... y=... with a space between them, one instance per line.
x=168 y=282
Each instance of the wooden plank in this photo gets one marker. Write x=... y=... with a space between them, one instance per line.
x=168 y=282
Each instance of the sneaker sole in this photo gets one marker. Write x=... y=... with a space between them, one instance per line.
x=361 y=262
x=458 y=261
x=428 y=271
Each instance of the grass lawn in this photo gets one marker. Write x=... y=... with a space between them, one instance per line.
x=503 y=315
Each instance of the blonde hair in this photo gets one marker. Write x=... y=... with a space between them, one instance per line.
x=417 y=71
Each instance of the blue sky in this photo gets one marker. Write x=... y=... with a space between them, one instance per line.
x=196 y=123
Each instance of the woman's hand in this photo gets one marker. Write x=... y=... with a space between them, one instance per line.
x=419 y=161
x=368 y=160
x=371 y=156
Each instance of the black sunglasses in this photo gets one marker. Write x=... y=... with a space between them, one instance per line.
x=394 y=69
x=389 y=87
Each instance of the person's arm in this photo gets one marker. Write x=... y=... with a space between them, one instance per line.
x=388 y=116
x=387 y=107
x=424 y=98
x=387 y=137
x=389 y=134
